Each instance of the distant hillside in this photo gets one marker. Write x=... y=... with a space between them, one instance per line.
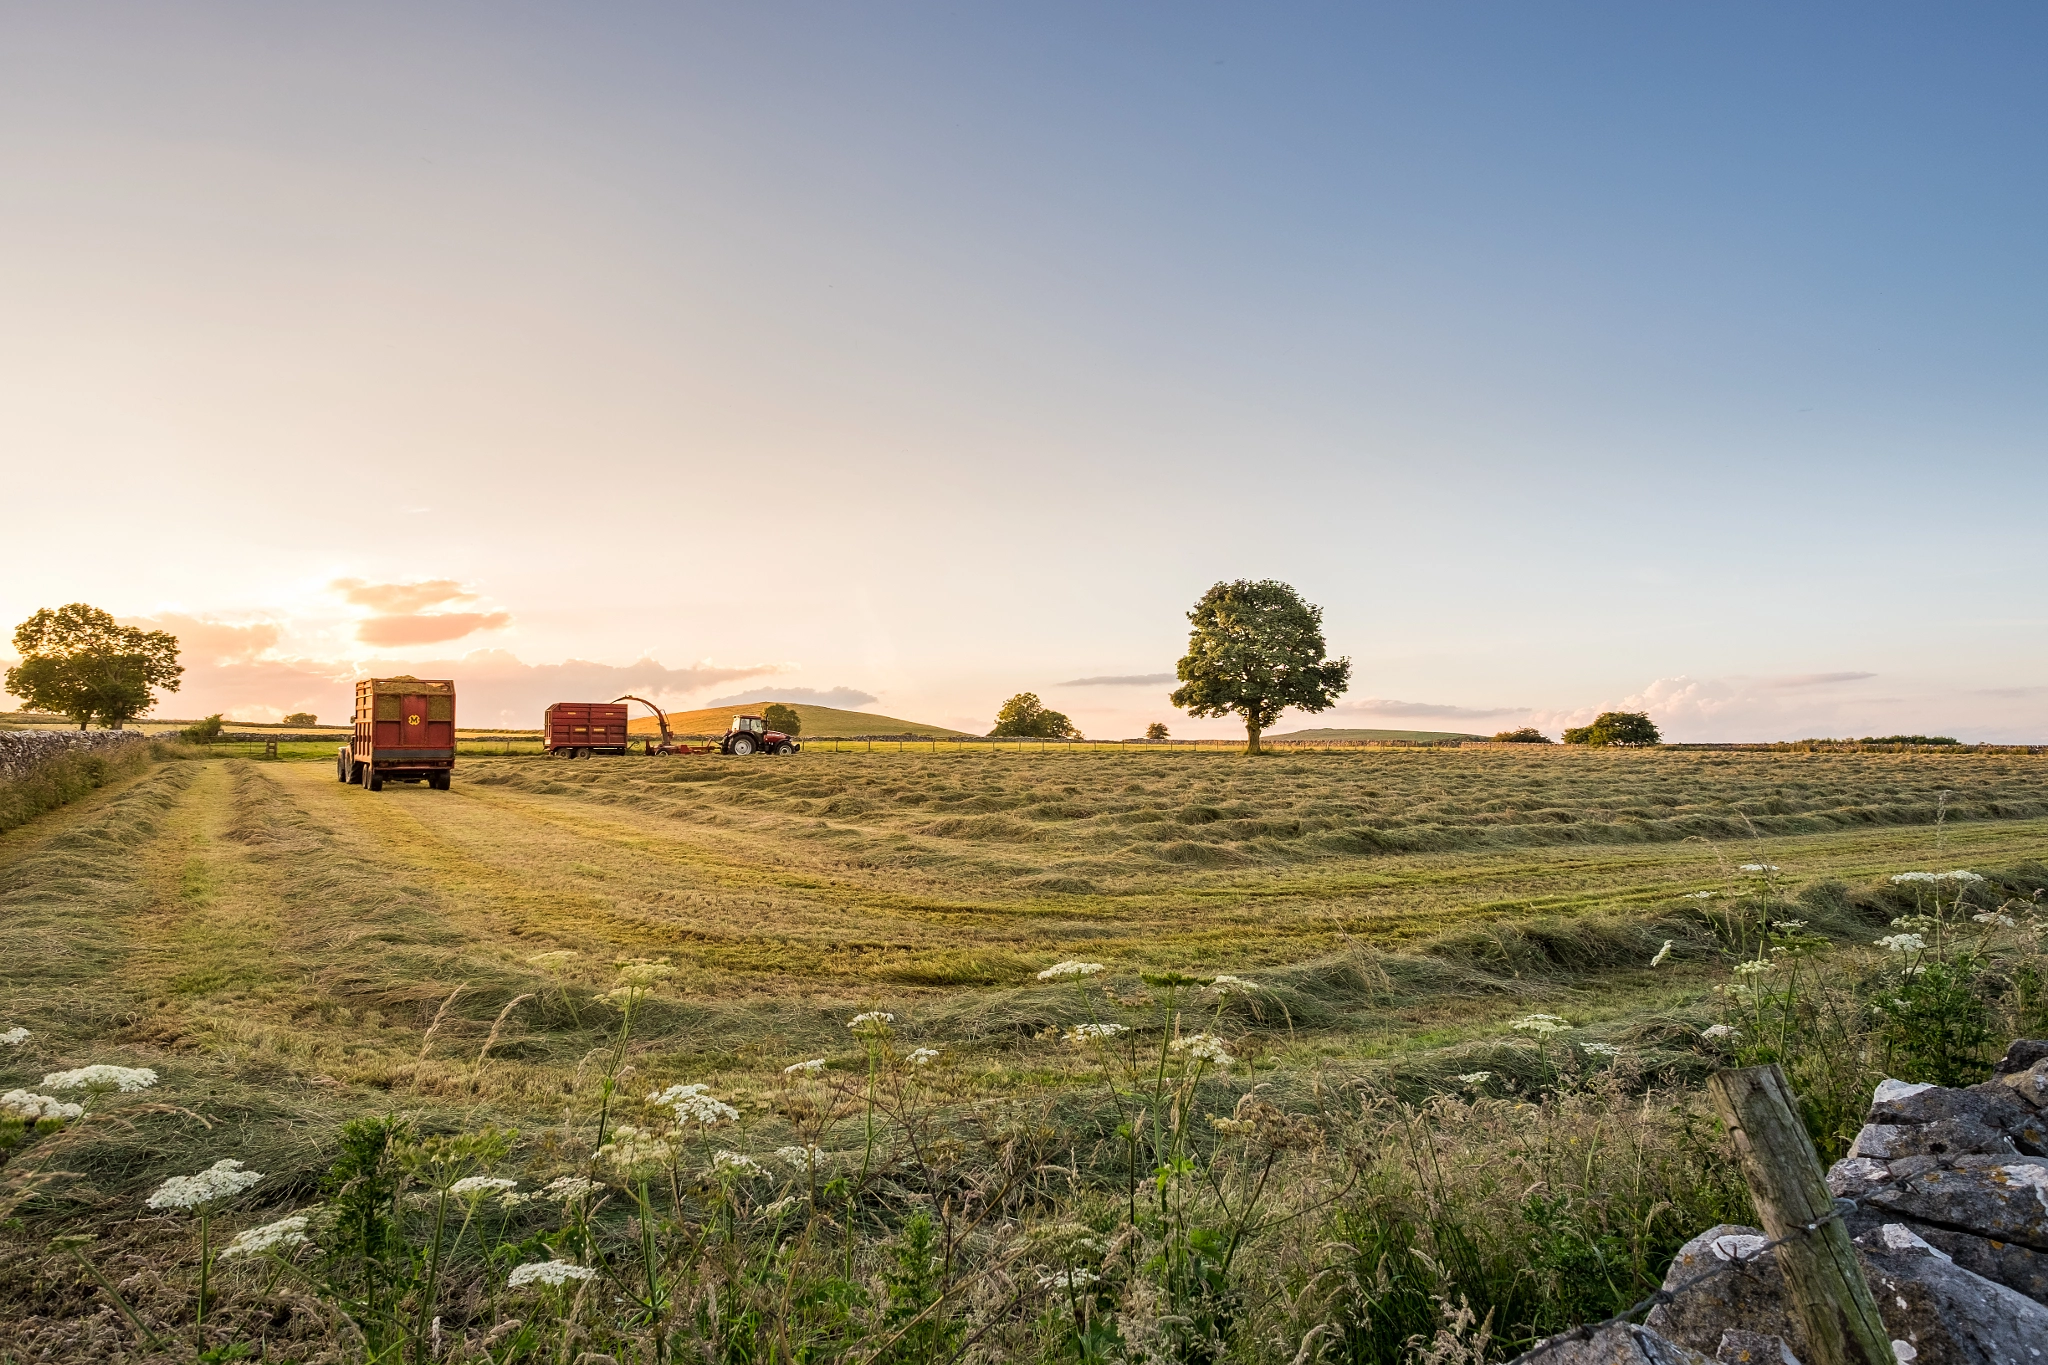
x=1413 y=736
x=820 y=722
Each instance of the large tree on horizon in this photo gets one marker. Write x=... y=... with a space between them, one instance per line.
x=79 y=662
x=1255 y=650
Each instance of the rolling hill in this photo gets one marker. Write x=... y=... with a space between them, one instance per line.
x=1409 y=735
x=820 y=722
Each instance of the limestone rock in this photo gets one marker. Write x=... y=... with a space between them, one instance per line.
x=1739 y=1347
x=2024 y=1054
x=1620 y=1344
x=2006 y=1203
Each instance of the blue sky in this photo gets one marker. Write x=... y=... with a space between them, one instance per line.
x=1570 y=356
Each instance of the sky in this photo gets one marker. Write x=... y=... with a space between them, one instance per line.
x=1571 y=357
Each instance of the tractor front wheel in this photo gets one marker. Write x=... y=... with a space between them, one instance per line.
x=785 y=750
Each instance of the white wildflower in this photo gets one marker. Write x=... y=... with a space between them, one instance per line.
x=639 y=973
x=874 y=1021
x=1475 y=1077
x=1901 y=878
x=548 y=1272
x=1719 y=1031
x=29 y=1106
x=1902 y=943
x=480 y=1185
x=286 y=1234
x=1993 y=917
x=923 y=1056
x=1235 y=1127
x=1089 y=1033
x=1916 y=924
x=1069 y=968
x=1204 y=1047
x=736 y=1164
x=15 y=1037
x=804 y=1068
x=1540 y=1024
x=1756 y=966
x=1600 y=1049
x=218 y=1181
x=800 y=1157
x=781 y=1206
x=631 y=1147
x=694 y=1103
x=1960 y=876
x=1663 y=955
x=1760 y=867
x=1699 y=895
x=101 y=1078
x=1233 y=985
x=1070 y=1281
x=567 y=1187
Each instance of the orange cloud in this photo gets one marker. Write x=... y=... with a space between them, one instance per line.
x=429 y=628
x=400 y=599
x=216 y=642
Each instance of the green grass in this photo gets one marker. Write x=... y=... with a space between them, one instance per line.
x=280 y=945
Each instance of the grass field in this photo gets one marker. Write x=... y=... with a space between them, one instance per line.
x=288 y=951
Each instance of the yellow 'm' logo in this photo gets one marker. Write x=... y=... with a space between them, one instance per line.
x=412 y=720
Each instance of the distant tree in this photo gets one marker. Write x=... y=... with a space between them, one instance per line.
x=783 y=718
x=1257 y=649
x=78 y=662
x=1908 y=739
x=203 y=731
x=1156 y=730
x=301 y=718
x=1024 y=716
x=1617 y=728
x=1528 y=734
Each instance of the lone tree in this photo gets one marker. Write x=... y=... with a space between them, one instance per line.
x=301 y=718
x=1024 y=716
x=1625 y=728
x=783 y=718
x=1528 y=734
x=1156 y=730
x=77 y=662
x=1256 y=650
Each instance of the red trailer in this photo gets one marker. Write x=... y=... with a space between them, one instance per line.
x=405 y=732
x=578 y=729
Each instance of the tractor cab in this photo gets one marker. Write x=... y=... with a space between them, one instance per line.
x=750 y=735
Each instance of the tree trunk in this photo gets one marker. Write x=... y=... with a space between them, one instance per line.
x=1251 y=732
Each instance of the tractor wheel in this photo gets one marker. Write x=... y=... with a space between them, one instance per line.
x=785 y=750
x=742 y=745
x=438 y=781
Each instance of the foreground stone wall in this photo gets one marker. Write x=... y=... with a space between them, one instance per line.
x=21 y=750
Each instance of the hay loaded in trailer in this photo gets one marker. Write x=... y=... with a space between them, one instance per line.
x=405 y=732
x=748 y=735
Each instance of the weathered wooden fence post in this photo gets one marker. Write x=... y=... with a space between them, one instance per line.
x=1785 y=1179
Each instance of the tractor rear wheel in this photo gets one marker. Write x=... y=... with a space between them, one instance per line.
x=742 y=745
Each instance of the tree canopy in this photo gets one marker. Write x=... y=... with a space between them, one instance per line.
x=1528 y=734
x=783 y=718
x=1256 y=649
x=79 y=662
x=1156 y=730
x=301 y=718
x=1617 y=728
x=1024 y=716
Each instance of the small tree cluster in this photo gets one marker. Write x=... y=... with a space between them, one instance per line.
x=1620 y=728
x=79 y=662
x=1528 y=734
x=301 y=718
x=1024 y=716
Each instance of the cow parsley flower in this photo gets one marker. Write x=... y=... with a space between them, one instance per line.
x=923 y=1056
x=1902 y=943
x=31 y=1107
x=874 y=1021
x=102 y=1078
x=1070 y=1281
x=478 y=1186
x=1475 y=1077
x=15 y=1037
x=1993 y=917
x=1663 y=955
x=804 y=1068
x=632 y=1147
x=639 y=973
x=567 y=1187
x=1600 y=1049
x=1756 y=966
x=286 y=1234
x=1069 y=968
x=549 y=1273
x=694 y=1103
x=1232 y=985
x=800 y=1157
x=1204 y=1047
x=1541 y=1025
x=736 y=1164
x=1760 y=867
x=218 y=1181
x=1089 y=1033
x=1718 y=1032
x=1699 y=895
x=781 y=1206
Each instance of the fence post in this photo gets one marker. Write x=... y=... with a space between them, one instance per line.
x=1828 y=1289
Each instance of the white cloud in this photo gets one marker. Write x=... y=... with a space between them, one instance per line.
x=1122 y=680
x=845 y=698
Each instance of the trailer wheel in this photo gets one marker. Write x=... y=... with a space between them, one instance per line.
x=785 y=750
x=438 y=781
x=742 y=745
x=371 y=781
x=341 y=766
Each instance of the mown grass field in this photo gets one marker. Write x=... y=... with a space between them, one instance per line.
x=289 y=951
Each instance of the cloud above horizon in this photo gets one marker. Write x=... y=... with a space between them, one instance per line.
x=844 y=698
x=1816 y=679
x=1385 y=706
x=1121 y=680
x=401 y=617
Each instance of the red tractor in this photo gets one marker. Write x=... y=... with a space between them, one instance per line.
x=748 y=735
